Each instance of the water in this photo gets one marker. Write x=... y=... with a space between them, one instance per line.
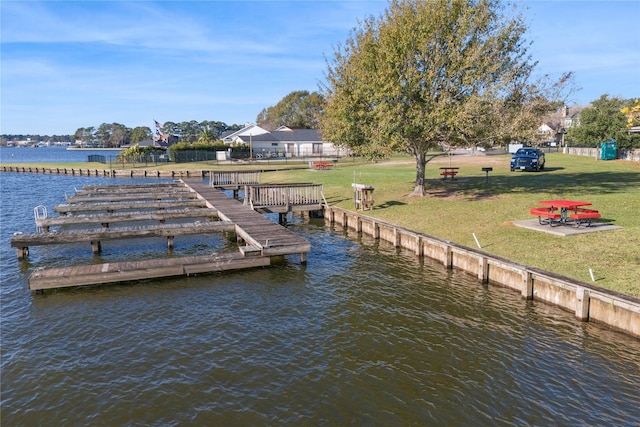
x=51 y=154
x=361 y=335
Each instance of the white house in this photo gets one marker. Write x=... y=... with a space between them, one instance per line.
x=247 y=130
x=284 y=142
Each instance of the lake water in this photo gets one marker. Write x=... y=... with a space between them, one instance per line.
x=361 y=335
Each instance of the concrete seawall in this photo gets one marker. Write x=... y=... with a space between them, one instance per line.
x=587 y=302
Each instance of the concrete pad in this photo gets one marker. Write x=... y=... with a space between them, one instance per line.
x=564 y=230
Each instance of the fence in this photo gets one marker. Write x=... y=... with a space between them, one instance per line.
x=630 y=155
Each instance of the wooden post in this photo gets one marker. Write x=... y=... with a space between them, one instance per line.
x=303 y=258
x=483 y=270
x=582 y=303
x=170 y=242
x=22 y=253
x=527 y=285
x=448 y=262
x=96 y=246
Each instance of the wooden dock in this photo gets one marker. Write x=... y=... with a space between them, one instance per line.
x=160 y=215
x=22 y=242
x=259 y=238
x=260 y=233
x=127 y=271
x=73 y=208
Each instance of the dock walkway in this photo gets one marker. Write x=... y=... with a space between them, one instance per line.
x=259 y=232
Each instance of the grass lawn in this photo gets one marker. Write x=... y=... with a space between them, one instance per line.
x=455 y=209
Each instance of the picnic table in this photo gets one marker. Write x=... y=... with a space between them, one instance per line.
x=449 y=171
x=322 y=165
x=564 y=212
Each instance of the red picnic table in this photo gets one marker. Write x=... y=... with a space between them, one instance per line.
x=564 y=212
x=449 y=171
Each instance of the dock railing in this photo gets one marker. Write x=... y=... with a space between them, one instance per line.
x=271 y=195
x=233 y=178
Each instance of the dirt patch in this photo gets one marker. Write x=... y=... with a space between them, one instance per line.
x=469 y=160
x=460 y=159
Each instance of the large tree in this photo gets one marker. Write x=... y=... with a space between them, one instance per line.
x=428 y=75
x=602 y=121
x=299 y=109
x=140 y=133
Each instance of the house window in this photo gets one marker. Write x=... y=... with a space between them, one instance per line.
x=317 y=148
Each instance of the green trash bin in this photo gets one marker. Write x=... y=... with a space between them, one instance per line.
x=608 y=150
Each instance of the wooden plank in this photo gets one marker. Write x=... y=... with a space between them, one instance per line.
x=67 y=208
x=156 y=215
x=128 y=197
x=134 y=187
x=160 y=230
x=127 y=271
x=118 y=190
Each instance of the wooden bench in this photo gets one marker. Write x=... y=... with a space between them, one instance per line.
x=584 y=216
x=322 y=165
x=552 y=217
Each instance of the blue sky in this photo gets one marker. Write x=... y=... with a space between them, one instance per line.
x=66 y=65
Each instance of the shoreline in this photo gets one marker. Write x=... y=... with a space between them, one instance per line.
x=588 y=302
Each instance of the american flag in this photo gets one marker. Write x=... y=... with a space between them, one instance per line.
x=158 y=125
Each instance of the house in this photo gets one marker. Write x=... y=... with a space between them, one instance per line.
x=230 y=137
x=556 y=125
x=284 y=142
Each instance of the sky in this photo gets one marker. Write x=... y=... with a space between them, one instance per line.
x=71 y=64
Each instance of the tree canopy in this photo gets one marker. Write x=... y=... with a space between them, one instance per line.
x=605 y=119
x=429 y=75
x=299 y=109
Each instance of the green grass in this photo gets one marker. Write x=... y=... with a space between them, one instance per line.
x=455 y=210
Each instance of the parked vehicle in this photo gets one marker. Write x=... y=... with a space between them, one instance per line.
x=528 y=159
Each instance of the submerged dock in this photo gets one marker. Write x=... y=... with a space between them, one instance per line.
x=259 y=238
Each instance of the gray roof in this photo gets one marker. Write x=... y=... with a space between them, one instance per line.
x=295 y=135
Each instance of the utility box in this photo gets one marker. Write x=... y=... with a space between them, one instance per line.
x=608 y=150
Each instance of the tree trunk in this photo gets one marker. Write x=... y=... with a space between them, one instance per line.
x=421 y=162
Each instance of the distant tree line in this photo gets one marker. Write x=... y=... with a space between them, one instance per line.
x=116 y=134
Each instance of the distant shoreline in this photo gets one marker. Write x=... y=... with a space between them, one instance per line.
x=94 y=149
